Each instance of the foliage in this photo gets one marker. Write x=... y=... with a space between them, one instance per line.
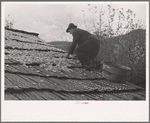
x=9 y=22
x=64 y=45
x=112 y=22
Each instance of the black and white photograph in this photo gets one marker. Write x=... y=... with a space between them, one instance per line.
x=78 y=52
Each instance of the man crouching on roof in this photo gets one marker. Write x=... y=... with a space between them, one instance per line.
x=88 y=46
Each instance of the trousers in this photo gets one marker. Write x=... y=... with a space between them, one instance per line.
x=88 y=51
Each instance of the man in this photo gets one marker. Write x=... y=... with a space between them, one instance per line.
x=88 y=46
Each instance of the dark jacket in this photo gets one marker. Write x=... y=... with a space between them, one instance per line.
x=79 y=37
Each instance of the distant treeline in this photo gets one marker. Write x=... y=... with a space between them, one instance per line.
x=64 y=45
x=59 y=42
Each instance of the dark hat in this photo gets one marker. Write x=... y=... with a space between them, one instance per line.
x=70 y=26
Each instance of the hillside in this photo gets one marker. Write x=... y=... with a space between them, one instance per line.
x=64 y=45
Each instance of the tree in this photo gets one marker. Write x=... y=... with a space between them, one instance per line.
x=9 y=22
x=112 y=22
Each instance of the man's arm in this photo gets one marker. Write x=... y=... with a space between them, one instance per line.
x=74 y=43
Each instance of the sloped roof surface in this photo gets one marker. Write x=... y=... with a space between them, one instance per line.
x=35 y=70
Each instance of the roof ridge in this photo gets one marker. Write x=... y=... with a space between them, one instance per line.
x=16 y=30
x=46 y=50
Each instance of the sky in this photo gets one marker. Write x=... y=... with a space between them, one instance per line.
x=51 y=19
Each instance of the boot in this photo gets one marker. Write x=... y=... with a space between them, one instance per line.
x=95 y=65
x=91 y=65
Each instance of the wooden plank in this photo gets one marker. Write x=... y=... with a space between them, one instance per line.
x=22 y=96
x=72 y=75
x=142 y=93
x=77 y=73
x=82 y=85
x=54 y=96
x=136 y=96
x=44 y=72
x=68 y=96
x=104 y=86
x=134 y=86
x=33 y=95
x=70 y=85
x=5 y=86
x=17 y=81
x=9 y=96
x=113 y=97
x=73 y=84
x=60 y=95
x=114 y=85
x=24 y=69
x=33 y=84
x=110 y=97
x=78 y=97
x=36 y=82
x=92 y=96
x=47 y=95
x=10 y=68
x=50 y=73
x=8 y=83
x=79 y=85
x=8 y=61
x=89 y=74
x=60 y=83
x=21 y=78
x=42 y=94
x=103 y=96
x=123 y=95
x=97 y=96
x=98 y=74
x=92 y=84
x=95 y=74
x=106 y=97
x=81 y=97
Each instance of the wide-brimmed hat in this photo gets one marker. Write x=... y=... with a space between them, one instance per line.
x=70 y=26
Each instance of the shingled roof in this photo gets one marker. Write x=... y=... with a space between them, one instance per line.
x=36 y=70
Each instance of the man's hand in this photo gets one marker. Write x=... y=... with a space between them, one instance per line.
x=68 y=56
x=71 y=57
x=74 y=57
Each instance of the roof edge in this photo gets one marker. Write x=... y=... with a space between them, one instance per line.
x=16 y=30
